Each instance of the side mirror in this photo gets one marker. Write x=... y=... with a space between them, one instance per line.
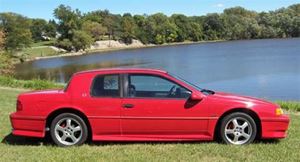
x=196 y=96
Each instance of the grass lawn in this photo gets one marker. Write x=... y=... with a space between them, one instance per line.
x=30 y=149
x=39 y=51
x=44 y=43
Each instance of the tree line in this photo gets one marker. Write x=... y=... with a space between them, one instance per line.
x=76 y=30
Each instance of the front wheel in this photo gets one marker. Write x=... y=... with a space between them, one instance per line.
x=68 y=129
x=238 y=129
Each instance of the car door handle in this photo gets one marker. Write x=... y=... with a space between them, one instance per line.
x=128 y=106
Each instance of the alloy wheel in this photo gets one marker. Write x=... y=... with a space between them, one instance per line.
x=68 y=131
x=238 y=131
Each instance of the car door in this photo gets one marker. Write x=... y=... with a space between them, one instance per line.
x=156 y=107
x=103 y=105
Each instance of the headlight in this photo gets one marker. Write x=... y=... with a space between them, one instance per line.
x=278 y=111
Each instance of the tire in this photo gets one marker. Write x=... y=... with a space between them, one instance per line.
x=68 y=129
x=238 y=129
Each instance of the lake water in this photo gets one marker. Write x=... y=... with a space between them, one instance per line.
x=267 y=68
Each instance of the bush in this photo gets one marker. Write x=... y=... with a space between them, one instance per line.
x=289 y=105
x=65 y=44
x=6 y=65
x=35 y=84
x=81 y=40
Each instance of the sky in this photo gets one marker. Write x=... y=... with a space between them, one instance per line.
x=44 y=8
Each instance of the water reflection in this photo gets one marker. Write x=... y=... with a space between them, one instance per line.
x=64 y=73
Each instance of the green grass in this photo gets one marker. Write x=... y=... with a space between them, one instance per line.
x=29 y=149
x=37 y=49
x=38 y=52
x=290 y=105
x=44 y=43
x=35 y=84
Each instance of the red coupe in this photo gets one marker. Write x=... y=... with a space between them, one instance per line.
x=143 y=105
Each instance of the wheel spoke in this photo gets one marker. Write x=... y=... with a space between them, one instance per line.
x=78 y=128
x=59 y=128
x=236 y=138
x=74 y=139
x=245 y=125
x=68 y=122
x=229 y=131
x=247 y=136
x=63 y=138
x=235 y=123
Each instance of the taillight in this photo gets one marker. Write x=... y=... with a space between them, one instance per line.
x=19 y=106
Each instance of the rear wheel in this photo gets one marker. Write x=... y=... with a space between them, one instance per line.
x=238 y=129
x=68 y=129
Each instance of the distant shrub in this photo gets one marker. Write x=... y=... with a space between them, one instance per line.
x=35 y=84
x=6 y=64
x=65 y=44
x=290 y=105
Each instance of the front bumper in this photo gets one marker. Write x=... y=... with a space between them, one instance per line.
x=275 y=127
x=31 y=126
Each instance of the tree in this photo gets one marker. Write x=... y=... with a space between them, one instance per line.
x=37 y=28
x=69 y=21
x=128 y=28
x=170 y=30
x=213 y=27
x=17 y=32
x=160 y=39
x=65 y=44
x=183 y=25
x=296 y=27
x=141 y=32
x=195 y=32
x=2 y=39
x=111 y=22
x=94 y=16
x=239 y=11
x=95 y=29
x=51 y=28
x=6 y=64
x=240 y=23
x=161 y=29
x=233 y=24
x=81 y=40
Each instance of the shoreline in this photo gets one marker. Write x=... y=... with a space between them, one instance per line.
x=92 y=51
x=106 y=50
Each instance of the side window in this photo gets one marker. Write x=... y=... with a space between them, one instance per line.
x=155 y=87
x=106 y=86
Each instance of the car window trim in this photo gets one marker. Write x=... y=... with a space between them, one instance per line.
x=119 y=86
x=126 y=79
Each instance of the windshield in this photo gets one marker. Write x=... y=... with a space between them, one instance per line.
x=205 y=91
x=187 y=82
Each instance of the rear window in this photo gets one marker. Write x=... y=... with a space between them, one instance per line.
x=106 y=86
x=68 y=84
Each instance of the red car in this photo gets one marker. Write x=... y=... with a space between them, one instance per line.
x=143 y=105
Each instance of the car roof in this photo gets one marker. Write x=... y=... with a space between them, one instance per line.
x=116 y=70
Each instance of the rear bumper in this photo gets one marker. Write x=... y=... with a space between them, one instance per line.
x=31 y=126
x=275 y=127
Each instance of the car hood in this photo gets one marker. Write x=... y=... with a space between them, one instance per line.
x=240 y=98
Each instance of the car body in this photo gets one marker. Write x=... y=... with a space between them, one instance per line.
x=136 y=105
